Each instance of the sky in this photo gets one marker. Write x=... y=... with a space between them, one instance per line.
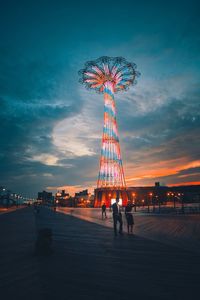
x=51 y=126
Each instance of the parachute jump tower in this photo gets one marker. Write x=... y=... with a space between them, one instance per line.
x=109 y=75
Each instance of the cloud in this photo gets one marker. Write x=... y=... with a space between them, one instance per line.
x=160 y=140
x=71 y=137
x=49 y=160
x=31 y=103
x=80 y=135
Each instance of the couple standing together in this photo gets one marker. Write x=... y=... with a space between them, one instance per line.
x=117 y=217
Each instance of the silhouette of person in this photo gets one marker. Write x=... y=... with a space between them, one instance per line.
x=103 y=211
x=117 y=216
x=129 y=217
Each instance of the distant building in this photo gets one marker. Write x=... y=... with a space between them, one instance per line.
x=158 y=194
x=82 y=193
x=62 y=198
x=163 y=194
x=84 y=199
x=8 y=198
x=45 y=197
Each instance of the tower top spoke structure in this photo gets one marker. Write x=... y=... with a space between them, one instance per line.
x=109 y=75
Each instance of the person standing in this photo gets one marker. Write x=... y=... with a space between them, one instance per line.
x=103 y=211
x=117 y=217
x=129 y=217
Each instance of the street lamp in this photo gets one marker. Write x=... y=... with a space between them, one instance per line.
x=143 y=203
x=174 y=199
x=182 y=204
x=152 y=202
x=158 y=197
x=156 y=201
x=149 y=200
x=134 y=200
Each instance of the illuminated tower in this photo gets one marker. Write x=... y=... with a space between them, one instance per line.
x=109 y=75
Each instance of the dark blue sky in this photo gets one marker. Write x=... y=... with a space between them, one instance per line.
x=51 y=126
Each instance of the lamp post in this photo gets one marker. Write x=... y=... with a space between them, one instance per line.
x=159 y=204
x=134 y=200
x=150 y=195
x=153 y=202
x=156 y=199
x=143 y=203
x=171 y=197
x=174 y=200
x=148 y=204
x=182 y=203
x=168 y=197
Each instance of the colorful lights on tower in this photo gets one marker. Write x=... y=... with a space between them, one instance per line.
x=109 y=75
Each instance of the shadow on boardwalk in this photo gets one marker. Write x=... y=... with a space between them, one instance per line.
x=88 y=262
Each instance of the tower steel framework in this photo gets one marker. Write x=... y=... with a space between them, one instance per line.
x=109 y=75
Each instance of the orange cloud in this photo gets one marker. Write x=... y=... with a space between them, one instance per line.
x=162 y=169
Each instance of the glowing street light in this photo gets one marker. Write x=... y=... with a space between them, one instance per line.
x=150 y=194
x=134 y=200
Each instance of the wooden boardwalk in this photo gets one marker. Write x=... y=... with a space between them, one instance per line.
x=88 y=262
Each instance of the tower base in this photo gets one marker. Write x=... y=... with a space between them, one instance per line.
x=109 y=196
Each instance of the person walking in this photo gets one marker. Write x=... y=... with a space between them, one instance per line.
x=129 y=217
x=103 y=211
x=117 y=217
